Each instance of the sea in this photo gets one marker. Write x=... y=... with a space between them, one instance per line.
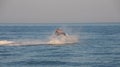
x=25 y=45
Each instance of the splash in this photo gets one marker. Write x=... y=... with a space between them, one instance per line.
x=63 y=39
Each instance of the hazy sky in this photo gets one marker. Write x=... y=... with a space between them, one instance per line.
x=17 y=11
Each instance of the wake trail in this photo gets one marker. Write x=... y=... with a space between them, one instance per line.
x=52 y=40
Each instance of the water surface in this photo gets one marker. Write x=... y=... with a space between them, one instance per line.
x=98 y=46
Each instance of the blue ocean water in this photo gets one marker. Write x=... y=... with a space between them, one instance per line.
x=98 y=46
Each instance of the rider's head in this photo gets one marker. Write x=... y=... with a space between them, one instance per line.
x=59 y=29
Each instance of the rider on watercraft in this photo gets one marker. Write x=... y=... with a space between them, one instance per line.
x=59 y=32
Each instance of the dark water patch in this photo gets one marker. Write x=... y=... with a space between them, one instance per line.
x=30 y=62
x=57 y=55
x=117 y=58
x=3 y=51
x=47 y=63
x=106 y=65
x=70 y=63
x=6 y=54
x=104 y=53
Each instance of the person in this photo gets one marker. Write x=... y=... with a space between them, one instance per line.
x=59 y=32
